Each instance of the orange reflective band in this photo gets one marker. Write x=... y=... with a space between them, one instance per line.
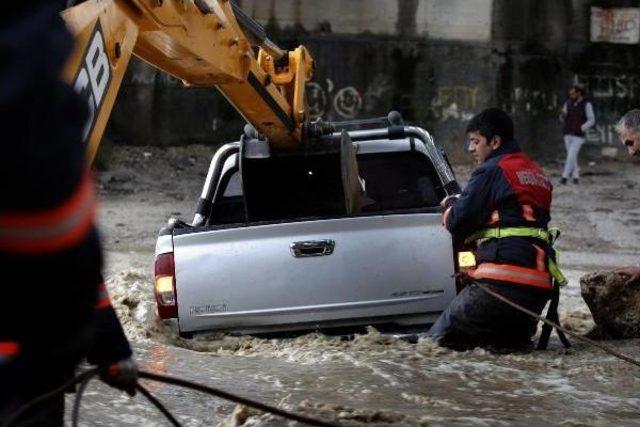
x=513 y=274
x=528 y=213
x=9 y=348
x=114 y=370
x=52 y=230
x=103 y=298
x=103 y=303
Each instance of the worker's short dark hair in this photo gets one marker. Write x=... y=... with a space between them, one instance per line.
x=492 y=122
x=580 y=89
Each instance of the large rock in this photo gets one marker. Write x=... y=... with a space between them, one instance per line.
x=615 y=306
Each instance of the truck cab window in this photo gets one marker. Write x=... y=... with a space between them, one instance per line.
x=392 y=181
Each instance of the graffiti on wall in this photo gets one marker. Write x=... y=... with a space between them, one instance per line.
x=325 y=100
x=530 y=101
x=455 y=102
x=607 y=87
x=602 y=133
x=148 y=77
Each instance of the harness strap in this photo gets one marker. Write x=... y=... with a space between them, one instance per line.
x=497 y=233
x=552 y=316
x=547 y=236
x=559 y=278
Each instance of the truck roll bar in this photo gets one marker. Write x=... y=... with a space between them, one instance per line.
x=443 y=169
x=213 y=176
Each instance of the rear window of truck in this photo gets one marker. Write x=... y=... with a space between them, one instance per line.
x=396 y=181
x=393 y=182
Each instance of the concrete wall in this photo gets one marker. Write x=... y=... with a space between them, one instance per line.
x=468 y=20
x=437 y=61
x=546 y=49
x=154 y=108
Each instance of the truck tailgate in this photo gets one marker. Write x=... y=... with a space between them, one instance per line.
x=248 y=278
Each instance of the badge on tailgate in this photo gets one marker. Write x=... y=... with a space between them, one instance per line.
x=417 y=293
x=197 y=310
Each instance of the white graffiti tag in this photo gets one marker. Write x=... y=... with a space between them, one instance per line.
x=316 y=99
x=347 y=102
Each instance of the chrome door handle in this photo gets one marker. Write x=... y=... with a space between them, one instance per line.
x=312 y=248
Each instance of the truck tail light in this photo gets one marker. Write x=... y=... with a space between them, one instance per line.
x=165 y=286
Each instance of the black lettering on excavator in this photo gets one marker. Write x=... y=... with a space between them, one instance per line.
x=93 y=78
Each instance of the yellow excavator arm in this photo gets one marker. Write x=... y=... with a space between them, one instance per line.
x=202 y=43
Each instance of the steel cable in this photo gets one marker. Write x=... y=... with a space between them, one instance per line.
x=158 y=405
x=86 y=376
x=238 y=399
x=75 y=414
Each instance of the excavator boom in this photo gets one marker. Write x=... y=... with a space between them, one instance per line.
x=202 y=43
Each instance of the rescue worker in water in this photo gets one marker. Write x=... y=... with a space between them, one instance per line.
x=505 y=211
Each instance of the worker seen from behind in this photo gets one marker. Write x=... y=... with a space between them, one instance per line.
x=54 y=309
x=510 y=193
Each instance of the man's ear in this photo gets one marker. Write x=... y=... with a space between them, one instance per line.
x=495 y=142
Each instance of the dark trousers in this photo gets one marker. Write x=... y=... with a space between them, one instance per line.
x=49 y=413
x=477 y=319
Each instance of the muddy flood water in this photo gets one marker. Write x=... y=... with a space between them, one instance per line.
x=372 y=379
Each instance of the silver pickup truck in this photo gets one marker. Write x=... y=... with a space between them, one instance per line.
x=392 y=263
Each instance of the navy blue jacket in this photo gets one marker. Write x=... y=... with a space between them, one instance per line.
x=507 y=190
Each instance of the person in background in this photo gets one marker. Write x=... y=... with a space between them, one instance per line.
x=578 y=117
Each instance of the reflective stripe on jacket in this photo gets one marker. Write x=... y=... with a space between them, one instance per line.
x=8 y=350
x=513 y=274
x=51 y=230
